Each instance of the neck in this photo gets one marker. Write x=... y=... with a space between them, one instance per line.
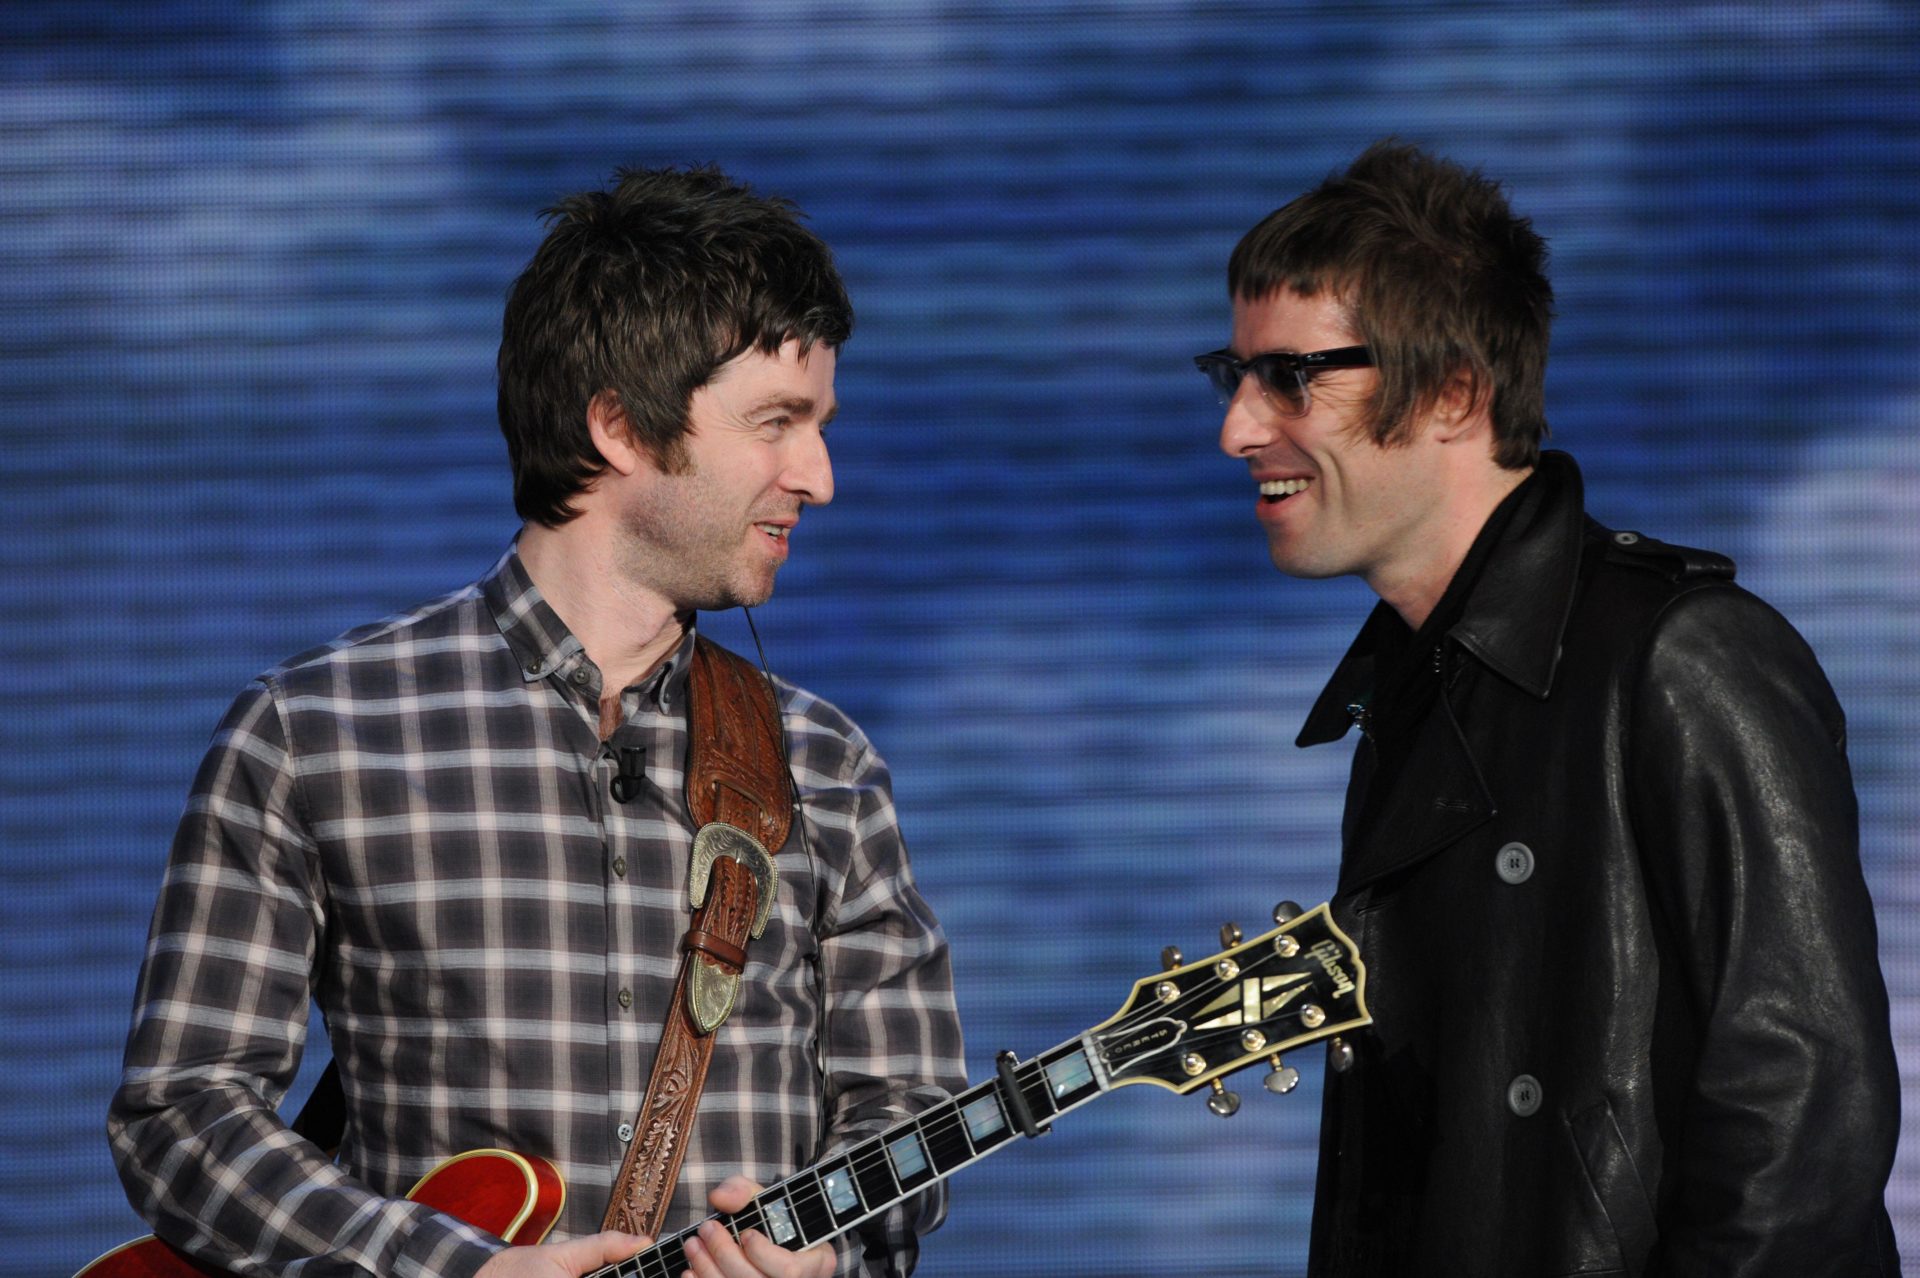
x=1413 y=587
x=626 y=629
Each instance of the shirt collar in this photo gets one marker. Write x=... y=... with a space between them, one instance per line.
x=542 y=645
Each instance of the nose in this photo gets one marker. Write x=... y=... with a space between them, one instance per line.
x=809 y=473
x=1247 y=427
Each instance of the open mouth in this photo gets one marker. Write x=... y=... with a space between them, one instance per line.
x=774 y=531
x=1278 y=490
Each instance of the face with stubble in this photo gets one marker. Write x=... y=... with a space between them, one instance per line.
x=713 y=534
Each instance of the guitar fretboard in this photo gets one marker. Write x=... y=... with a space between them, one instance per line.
x=862 y=1180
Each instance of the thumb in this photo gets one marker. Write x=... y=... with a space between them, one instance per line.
x=603 y=1248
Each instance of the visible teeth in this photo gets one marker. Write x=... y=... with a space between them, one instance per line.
x=772 y=530
x=1283 y=487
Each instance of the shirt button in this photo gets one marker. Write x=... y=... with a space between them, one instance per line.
x=625 y=998
x=580 y=677
x=620 y=866
x=626 y=1132
x=1514 y=863
x=1524 y=1095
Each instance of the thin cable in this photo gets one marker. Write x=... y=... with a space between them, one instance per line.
x=813 y=874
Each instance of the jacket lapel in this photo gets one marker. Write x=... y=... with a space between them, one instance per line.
x=1512 y=626
x=1441 y=797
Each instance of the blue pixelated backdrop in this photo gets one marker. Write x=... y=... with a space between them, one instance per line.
x=252 y=260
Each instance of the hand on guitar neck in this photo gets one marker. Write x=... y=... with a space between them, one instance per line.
x=713 y=1253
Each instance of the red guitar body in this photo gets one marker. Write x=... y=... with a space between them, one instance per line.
x=512 y=1196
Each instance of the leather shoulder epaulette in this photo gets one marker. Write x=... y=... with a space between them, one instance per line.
x=1675 y=563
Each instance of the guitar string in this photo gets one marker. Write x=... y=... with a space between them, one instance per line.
x=943 y=1124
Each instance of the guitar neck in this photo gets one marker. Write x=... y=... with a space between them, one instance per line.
x=834 y=1195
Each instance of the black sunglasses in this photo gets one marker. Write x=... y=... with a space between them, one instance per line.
x=1281 y=375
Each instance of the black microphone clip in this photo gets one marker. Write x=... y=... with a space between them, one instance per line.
x=633 y=774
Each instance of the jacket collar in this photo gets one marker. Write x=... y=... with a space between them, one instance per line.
x=1516 y=614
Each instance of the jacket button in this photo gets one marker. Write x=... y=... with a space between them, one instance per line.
x=1514 y=863
x=1523 y=1095
x=1626 y=538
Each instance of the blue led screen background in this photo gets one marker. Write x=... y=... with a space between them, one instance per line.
x=251 y=271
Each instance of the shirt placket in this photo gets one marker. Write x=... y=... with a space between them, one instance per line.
x=644 y=890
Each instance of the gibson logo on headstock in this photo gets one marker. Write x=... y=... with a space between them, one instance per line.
x=1328 y=956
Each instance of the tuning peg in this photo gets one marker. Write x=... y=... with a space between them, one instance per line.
x=1223 y=1102
x=1282 y=1078
x=1229 y=934
x=1170 y=957
x=1286 y=911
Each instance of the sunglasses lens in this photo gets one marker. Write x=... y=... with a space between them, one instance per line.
x=1224 y=375
x=1284 y=385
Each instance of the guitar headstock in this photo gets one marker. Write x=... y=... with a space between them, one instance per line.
x=1188 y=1026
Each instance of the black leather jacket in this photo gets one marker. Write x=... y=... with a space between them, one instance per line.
x=1629 y=1016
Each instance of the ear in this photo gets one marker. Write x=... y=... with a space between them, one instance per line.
x=1462 y=409
x=612 y=433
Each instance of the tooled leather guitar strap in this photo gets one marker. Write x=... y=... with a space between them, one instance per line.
x=741 y=800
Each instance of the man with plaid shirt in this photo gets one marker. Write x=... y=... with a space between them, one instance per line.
x=417 y=826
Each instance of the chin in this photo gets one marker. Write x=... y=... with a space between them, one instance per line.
x=751 y=594
x=1294 y=564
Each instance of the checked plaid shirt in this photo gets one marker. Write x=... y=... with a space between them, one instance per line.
x=412 y=827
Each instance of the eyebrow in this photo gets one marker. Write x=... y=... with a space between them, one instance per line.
x=799 y=405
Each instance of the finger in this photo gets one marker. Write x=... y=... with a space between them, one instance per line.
x=706 y=1251
x=768 y=1257
x=733 y=1193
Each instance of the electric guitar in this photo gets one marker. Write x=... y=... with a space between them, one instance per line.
x=1182 y=1029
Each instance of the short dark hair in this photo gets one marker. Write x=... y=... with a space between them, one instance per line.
x=1437 y=275
x=644 y=290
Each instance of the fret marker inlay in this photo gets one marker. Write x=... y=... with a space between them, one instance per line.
x=780 y=1225
x=840 y=1191
x=909 y=1158
x=984 y=1117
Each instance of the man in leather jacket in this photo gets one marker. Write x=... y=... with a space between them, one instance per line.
x=1600 y=845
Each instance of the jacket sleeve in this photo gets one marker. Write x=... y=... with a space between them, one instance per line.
x=219 y=1021
x=892 y=1034
x=1743 y=805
